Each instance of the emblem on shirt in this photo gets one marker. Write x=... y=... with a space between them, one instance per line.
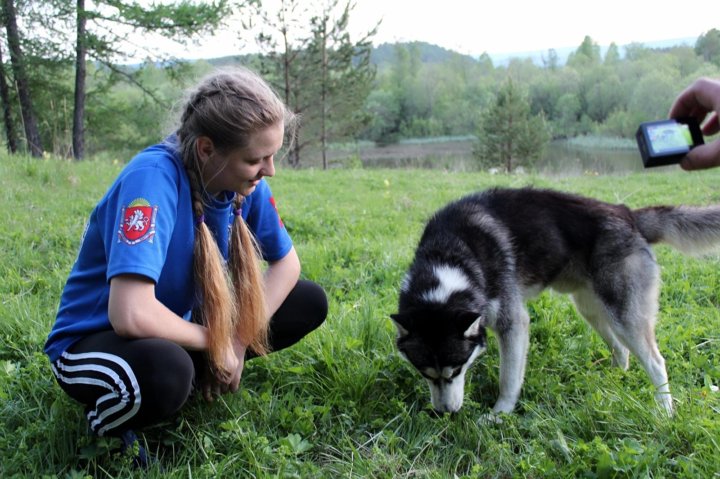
x=137 y=223
x=274 y=205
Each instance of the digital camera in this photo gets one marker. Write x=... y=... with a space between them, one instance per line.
x=666 y=142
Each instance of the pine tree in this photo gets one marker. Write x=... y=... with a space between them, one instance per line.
x=345 y=78
x=285 y=42
x=588 y=53
x=509 y=135
x=324 y=76
x=708 y=46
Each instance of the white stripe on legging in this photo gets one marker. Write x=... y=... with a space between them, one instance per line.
x=123 y=398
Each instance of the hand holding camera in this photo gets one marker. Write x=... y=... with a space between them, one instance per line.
x=700 y=101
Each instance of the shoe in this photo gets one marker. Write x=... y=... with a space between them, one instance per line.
x=141 y=459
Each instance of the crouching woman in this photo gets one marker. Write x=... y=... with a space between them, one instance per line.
x=168 y=293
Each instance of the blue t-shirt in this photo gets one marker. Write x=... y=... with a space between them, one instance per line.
x=144 y=225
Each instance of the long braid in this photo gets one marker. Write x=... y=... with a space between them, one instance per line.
x=217 y=304
x=253 y=320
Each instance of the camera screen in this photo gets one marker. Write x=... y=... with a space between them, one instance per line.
x=669 y=137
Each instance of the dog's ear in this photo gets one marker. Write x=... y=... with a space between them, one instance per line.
x=470 y=323
x=402 y=323
x=473 y=331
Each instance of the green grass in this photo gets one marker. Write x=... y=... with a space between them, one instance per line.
x=342 y=403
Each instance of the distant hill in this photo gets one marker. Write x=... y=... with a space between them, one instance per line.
x=384 y=54
x=430 y=53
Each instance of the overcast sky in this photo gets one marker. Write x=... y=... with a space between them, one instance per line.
x=498 y=26
x=502 y=26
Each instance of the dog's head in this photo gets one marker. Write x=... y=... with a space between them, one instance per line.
x=441 y=344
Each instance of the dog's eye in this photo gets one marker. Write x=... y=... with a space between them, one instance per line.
x=449 y=372
x=429 y=373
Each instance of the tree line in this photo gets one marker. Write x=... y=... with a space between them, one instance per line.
x=65 y=88
x=52 y=41
x=590 y=93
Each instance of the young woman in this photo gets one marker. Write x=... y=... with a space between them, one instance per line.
x=167 y=293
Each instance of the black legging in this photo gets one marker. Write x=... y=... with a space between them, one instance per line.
x=132 y=383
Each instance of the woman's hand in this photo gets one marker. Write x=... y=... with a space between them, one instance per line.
x=239 y=351
x=701 y=100
x=228 y=380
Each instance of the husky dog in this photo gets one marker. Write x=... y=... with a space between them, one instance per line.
x=481 y=257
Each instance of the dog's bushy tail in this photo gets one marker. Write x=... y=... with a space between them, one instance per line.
x=690 y=229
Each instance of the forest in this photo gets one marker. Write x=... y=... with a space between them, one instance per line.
x=68 y=89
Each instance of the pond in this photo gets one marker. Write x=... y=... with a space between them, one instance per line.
x=560 y=157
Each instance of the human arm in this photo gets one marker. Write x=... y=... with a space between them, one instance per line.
x=135 y=312
x=281 y=276
x=699 y=100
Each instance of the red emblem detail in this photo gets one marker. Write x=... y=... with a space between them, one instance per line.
x=272 y=202
x=137 y=222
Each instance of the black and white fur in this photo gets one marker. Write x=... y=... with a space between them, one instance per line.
x=481 y=257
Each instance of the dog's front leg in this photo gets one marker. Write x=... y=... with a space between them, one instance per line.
x=513 y=343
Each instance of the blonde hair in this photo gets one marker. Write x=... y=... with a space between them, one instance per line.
x=228 y=106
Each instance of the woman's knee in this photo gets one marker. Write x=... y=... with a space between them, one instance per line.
x=167 y=376
x=303 y=311
x=315 y=299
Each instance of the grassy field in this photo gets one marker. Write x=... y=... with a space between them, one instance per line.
x=342 y=404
